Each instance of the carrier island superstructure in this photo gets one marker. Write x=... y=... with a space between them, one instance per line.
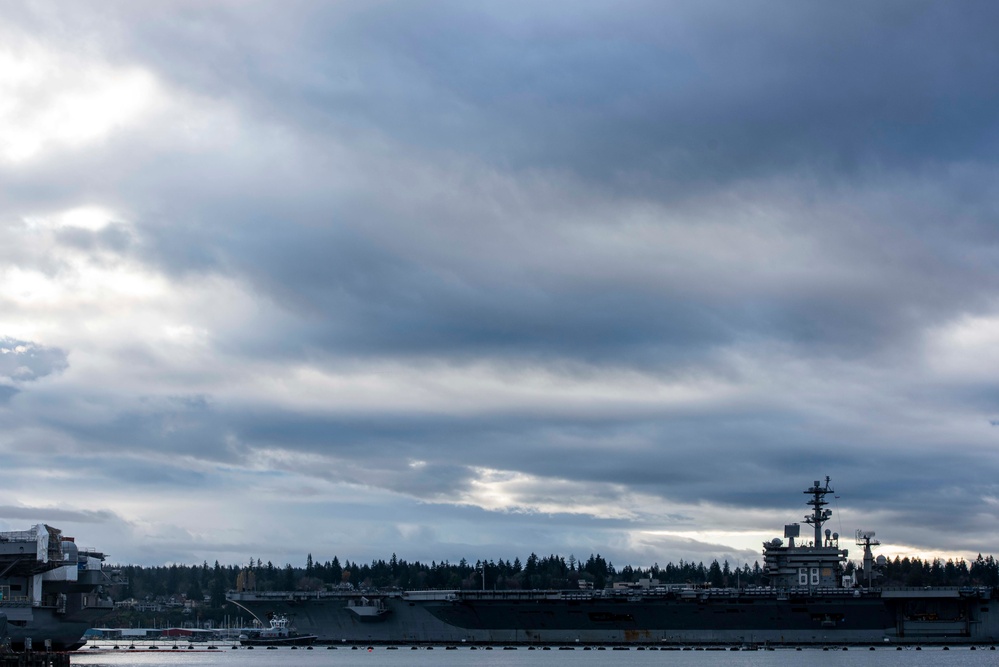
x=50 y=590
x=809 y=599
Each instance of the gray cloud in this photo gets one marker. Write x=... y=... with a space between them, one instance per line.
x=24 y=361
x=55 y=515
x=635 y=92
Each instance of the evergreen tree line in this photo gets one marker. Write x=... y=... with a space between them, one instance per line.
x=983 y=571
x=210 y=583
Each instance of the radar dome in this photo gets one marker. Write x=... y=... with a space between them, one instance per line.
x=775 y=542
x=881 y=560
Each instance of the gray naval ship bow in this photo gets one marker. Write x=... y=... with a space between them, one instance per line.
x=809 y=599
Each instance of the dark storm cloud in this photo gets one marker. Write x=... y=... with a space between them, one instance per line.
x=644 y=90
x=709 y=90
x=55 y=515
x=175 y=426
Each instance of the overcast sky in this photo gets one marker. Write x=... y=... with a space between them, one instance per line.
x=455 y=279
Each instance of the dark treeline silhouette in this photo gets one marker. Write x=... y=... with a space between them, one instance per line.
x=210 y=582
x=983 y=571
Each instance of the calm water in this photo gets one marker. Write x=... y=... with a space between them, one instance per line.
x=464 y=657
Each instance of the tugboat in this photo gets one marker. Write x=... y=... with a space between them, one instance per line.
x=280 y=633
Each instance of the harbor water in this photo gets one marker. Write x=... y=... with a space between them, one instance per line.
x=404 y=656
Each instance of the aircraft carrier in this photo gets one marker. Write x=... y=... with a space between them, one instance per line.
x=51 y=591
x=809 y=600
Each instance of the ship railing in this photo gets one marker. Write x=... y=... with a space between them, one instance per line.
x=304 y=595
x=645 y=593
x=720 y=592
x=15 y=601
x=758 y=592
x=19 y=536
x=428 y=594
x=824 y=591
x=550 y=594
x=627 y=592
x=580 y=595
x=423 y=590
x=272 y=595
x=767 y=592
x=970 y=591
x=963 y=591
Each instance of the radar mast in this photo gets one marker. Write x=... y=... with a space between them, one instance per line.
x=818 y=502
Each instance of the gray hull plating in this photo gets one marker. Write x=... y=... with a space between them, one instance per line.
x=64 y=632
x=555 y=618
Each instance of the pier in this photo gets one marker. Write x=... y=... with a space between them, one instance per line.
x=31 y=658
x=34 y=659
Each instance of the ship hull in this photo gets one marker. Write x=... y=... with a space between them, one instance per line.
x=303 y=640
x=332 y=620
x=673 y=621
x=557 y=618
x=63 y=632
